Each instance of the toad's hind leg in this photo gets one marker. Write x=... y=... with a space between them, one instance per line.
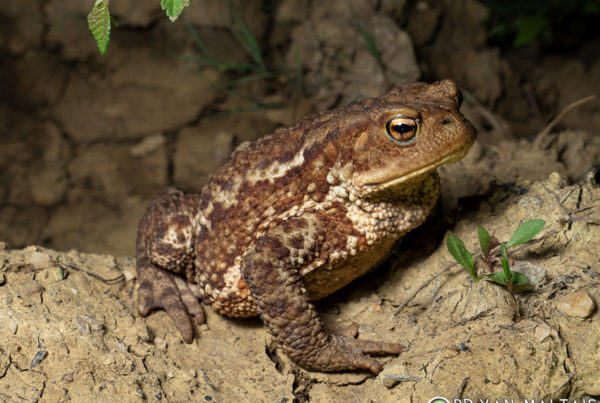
x=165 y=252
x=270 y=267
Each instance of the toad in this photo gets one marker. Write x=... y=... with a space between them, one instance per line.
x=300 y=213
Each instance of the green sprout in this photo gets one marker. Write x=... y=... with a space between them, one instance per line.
x=511 y=279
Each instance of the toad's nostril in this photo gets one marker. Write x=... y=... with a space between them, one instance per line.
x=446 y=121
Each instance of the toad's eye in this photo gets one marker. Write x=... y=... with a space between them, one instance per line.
x=403 y=130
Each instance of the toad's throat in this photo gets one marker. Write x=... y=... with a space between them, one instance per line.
x=416 y=190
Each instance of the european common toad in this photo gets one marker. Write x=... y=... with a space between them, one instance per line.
x=298 y=214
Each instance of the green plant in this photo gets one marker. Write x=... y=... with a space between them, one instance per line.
x=367 y=36
x=99 y=19
x=489 y=258
x=99 y=22
x=233 y=75
x=368 y=39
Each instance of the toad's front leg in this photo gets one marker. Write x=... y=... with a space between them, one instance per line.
x=165 y=254
x=270 y=267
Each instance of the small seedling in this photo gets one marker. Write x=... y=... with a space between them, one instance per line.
x=488 y=258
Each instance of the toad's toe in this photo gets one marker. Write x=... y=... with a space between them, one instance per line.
x=161 y=289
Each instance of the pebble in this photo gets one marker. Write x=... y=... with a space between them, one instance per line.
x=578 y=304
x=535 y=273
x=94 y=323
x=39 y=357
x=160 y=343
x=13 y=326
x=81 y=324
x=68 y=377
x=542 y=332
x=128 y=275
x=39 y=260
x=391 y=380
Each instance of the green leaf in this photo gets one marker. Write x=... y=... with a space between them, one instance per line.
x=484 y=239
x=525 y=232
x=504 y=261
x=530 y=28
x=457 y=248
x=174 y=8
x=99 y=24
x=520 y=281
x=369 y=41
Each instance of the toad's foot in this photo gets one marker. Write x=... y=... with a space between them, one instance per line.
x=344 y=351
x=163 y=289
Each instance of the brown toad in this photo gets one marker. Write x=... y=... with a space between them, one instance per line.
x=298 y=214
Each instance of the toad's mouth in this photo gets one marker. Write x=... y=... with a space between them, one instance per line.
x=380 y=186
x=455 y=157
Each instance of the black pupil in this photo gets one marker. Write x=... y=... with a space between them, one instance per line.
x=403 y=128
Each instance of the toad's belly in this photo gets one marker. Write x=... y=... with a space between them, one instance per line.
x=234 y=299
x=330 y=277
